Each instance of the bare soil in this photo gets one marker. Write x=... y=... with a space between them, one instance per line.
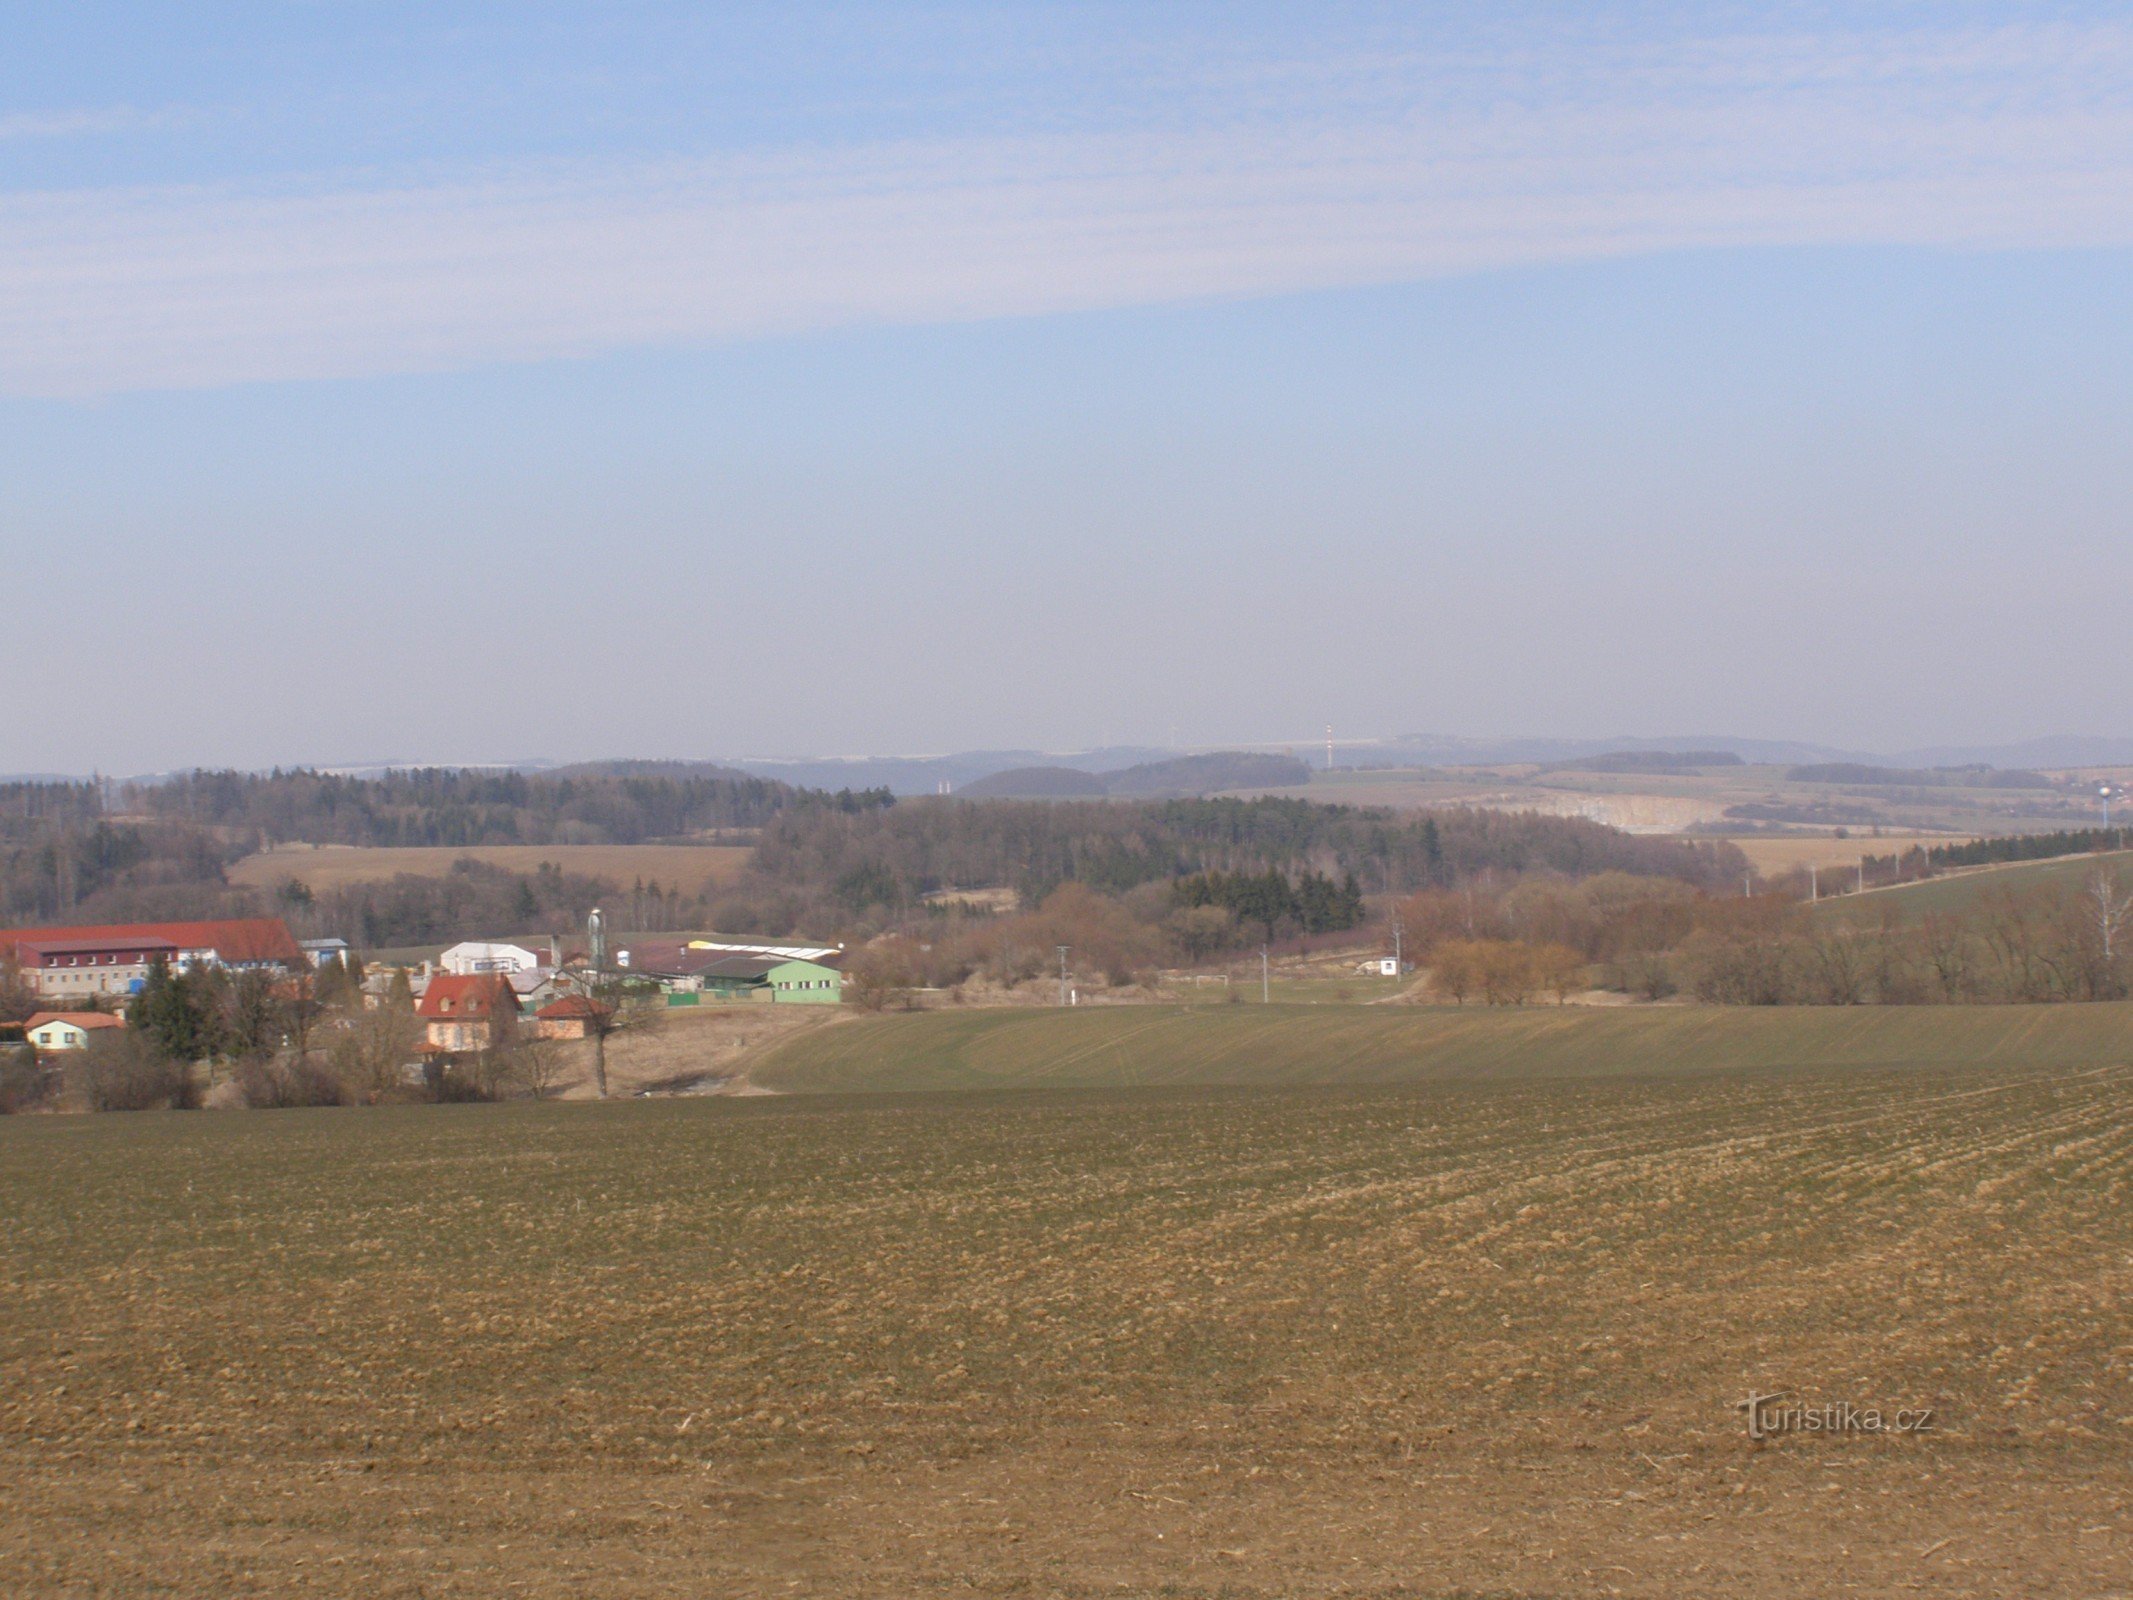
x=1448 y=1340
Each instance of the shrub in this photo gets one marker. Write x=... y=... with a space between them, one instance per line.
x=122 y=1070
x=289 y=1082
x=24 y=1085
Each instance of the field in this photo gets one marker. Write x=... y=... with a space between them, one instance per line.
x=1109 y=1047
x=1473 y=1338
x=1712 y=798
x=1962 y=891
x=323 y=867
x=1771 y=854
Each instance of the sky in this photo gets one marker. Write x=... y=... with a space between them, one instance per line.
x=472 y=383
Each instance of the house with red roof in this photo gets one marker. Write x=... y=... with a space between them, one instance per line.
x=467 y=1011
x=570 y=1016
x=53 y=1031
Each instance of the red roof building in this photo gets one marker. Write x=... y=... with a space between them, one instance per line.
x=569 y=1017
x=114 y=959
x=243 y=942
x=467 y=1011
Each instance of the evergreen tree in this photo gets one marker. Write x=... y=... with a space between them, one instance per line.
x=176 y=1012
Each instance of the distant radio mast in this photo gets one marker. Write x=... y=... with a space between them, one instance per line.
x=1329 y=747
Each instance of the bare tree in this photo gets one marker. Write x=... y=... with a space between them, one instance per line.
x=1840 y=962
x=2015 y=934
x=371 y=1055
x=536 y=1065
x=1946 y=941
x=2110 y=907
x=613 y=1012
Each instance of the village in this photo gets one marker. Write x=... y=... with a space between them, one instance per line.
x=82 y=985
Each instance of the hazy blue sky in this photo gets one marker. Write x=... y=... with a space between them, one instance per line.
x=474 y=382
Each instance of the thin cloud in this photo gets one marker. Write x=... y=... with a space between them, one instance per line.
x=81 y=122
x=2006 y=138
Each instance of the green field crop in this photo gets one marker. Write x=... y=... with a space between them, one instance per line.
x=1100 y=1047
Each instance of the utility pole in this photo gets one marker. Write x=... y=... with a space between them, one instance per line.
x=1814 y=886
x=1063 y=973
x=1862 y=874
x=1747 y=885
x=1399 y=966
x=1266 y=988
x=1329 y=751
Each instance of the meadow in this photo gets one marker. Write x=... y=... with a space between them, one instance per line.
x=1438 y=1338
x=1964 y=892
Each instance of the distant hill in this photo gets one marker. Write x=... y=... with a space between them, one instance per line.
x=646 y=769
x=1659 y=761
x=1036 y=783
x=1210 y=774
x=1213 y=773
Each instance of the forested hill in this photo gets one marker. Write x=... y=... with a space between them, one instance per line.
x=823 y=861
x=456 y=807
x=891 y=855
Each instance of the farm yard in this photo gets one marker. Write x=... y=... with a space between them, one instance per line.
x=1452 y=1337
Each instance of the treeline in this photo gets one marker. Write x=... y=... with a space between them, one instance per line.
x=455 y=807
x=1970 y=777
x=1651 y=938
x=2019 y=847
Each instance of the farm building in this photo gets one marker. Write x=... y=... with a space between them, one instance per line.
x=466 y=1011
x=807 y=982
x=476 y=955
x=771 y=978
x=74 y=963
x=794 y=974
x=66 y=1030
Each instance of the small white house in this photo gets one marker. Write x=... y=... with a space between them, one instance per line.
x=474 y=957
x=66 y=1030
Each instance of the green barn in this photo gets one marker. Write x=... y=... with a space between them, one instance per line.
x=808 y=983
x=782 y=980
